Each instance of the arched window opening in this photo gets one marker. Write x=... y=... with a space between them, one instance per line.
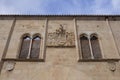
x=85 y=48
x=25 y=47
x=95 y=46
x=35 y=48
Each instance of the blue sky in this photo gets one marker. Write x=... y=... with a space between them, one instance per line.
x=46 y=7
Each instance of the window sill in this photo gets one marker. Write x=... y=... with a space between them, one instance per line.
x=61 y=46
x=98 y=60
x=24 y=60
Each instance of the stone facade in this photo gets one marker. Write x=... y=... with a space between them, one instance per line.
x=60 y=56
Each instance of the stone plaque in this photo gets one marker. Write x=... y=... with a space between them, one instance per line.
x=61 y=38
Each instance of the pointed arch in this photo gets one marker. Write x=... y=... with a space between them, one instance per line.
x=85 y=48
x=35 y=48
x=95 y=46
x=25 y=47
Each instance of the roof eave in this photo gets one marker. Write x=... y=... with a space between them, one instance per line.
x=87 y=15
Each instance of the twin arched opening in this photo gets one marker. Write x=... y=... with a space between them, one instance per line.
x=90 y=46
x=30 y=47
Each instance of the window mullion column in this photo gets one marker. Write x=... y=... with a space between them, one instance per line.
x=29 y=49
x=92 y=57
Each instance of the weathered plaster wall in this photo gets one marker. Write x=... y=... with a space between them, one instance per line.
x=65 y=70
x=31 y=26
x=102 y=29
x=61 y=63
x=115 y=26
x=5 y=27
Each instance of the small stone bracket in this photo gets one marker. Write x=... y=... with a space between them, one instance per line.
x=112 y=66
x=10 y=65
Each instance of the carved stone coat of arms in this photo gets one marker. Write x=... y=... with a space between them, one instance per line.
x=61 y=38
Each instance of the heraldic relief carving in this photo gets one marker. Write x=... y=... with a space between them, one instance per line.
x=61 y=38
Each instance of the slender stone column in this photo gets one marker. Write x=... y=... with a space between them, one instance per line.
x=77 y=42
x=45 y=40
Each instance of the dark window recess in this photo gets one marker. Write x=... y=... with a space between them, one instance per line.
x=35 y=48
x=85 y=48
x=25 y=47
x=95 y=47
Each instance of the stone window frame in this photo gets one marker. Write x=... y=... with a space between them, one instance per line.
x=99 y=54
x=84 y=46
x=28 y=57
x=90 y=45
x=23 y=53
x=35 y=35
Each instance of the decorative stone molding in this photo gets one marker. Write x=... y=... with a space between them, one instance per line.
x=61 y=38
